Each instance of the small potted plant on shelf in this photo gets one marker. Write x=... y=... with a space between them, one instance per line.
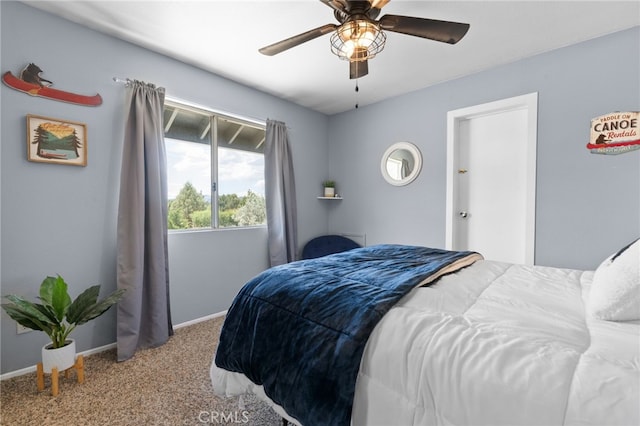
x=58 y=316
x=329 y=188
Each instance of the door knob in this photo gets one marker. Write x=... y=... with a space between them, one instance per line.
x=464 y=215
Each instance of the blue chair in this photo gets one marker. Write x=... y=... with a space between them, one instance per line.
x=327 y=244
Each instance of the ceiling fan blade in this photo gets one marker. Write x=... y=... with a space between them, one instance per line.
x=444 y=31
x=338 y=5
x=358 y=69
x=283 y=45
x=378 y=4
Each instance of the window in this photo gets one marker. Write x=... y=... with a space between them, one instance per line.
x=215 y=169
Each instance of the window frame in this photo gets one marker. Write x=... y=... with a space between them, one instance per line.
x=214 y=116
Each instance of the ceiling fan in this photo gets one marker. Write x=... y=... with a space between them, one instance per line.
x=359 y=37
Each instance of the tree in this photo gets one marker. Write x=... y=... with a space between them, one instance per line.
x=75 y=143
x=253 y=211
x=39 y=139
x=187 y=202
x=226 y=218
x=202 y=218
x=229 y=202
x=175 y=217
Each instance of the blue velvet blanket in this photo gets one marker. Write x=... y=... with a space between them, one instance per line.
x=300 y=329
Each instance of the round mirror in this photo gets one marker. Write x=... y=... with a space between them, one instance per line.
x=401 y=163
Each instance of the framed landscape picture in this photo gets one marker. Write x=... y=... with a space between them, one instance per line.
x=51 y=140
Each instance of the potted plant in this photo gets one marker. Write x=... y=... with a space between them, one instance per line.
x=329 y=188
x=58 y=316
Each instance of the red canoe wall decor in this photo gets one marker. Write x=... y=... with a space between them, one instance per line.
x=35 y=87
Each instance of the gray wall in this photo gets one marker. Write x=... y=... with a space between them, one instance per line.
x=587 y=205
x=62 y=219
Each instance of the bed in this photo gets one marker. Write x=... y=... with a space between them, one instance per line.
x=472 y=342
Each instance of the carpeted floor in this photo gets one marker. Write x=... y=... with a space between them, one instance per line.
x=168 y=385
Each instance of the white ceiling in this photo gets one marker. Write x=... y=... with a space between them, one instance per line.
x=224 y=37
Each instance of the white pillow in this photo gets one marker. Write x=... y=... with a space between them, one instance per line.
x=615 y=291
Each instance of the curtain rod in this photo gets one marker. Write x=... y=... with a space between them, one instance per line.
x=124 y=81
x=127 y=81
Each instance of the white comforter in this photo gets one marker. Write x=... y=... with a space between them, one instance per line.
x=494 y=344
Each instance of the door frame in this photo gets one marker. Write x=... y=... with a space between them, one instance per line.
x=528 y=102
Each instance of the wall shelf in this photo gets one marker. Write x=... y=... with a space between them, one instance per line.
x=329 y=198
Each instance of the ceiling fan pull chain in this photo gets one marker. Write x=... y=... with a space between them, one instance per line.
x=357 y=90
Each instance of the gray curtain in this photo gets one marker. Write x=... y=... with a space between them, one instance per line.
x=280 y=192
x=144 y=316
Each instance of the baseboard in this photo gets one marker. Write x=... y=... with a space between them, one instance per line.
x=201 y=319
x=93 y=351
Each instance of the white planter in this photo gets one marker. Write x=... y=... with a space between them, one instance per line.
x=61 y=358
x=329 y=192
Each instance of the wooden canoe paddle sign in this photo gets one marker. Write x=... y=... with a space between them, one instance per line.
x=32 y=84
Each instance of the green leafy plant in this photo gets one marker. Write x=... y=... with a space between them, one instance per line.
x=329 y=184
x=57 y=315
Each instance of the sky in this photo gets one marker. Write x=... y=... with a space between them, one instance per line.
x=238 y=171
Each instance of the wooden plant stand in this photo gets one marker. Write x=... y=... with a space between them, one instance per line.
x=78 y=366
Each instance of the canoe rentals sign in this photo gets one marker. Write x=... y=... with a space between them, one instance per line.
x=615 y=133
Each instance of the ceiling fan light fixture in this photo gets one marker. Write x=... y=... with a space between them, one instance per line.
x=357 y=40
